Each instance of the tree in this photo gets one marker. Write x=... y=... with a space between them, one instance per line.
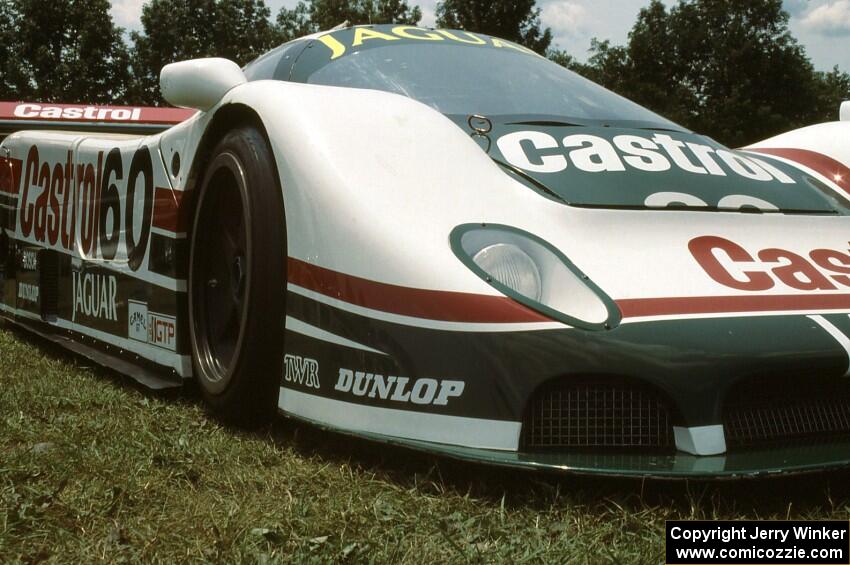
x=517 y=20
x=606 y=65
x=317 y=15
x=326 y=14
x=655 y=69
x=242 y=29
x=731 y=70
x=61 y=50
x=294 y=23
x=174 y=30
x=833 y=88
x=11 y=74
x=565 y=60
x=749 y=77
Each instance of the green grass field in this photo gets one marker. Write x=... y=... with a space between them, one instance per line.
x=93 y=468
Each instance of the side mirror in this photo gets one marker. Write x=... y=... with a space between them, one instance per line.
x=844 y=113
x=199 y=83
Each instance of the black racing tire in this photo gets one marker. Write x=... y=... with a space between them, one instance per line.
x=237 y=280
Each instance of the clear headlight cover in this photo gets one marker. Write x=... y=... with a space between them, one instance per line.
x=535 y=273
x=512 y=267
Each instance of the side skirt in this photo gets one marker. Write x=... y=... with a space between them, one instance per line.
x=150 y=378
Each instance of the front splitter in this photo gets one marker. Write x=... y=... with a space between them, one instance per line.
x=749 y=463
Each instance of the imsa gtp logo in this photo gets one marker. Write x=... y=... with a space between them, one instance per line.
x=151 y=327
x=162 y=331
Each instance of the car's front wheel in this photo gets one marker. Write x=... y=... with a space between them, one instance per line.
x=237 y=280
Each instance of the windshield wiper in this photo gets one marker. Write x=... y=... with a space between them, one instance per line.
x=681 y=208
x=545 y=123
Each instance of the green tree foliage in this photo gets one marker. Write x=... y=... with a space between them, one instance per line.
x=517 y=20
x=242 y=29
x=833 y=88
x=731 y=70
x=10 y=68
x=294 y=23
x=61 y=50
x=174 y=30
x=326 y=14
x=316 y=15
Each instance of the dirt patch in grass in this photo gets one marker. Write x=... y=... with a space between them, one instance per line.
x=93 y=468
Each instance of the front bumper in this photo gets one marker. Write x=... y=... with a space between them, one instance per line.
x=695 y=363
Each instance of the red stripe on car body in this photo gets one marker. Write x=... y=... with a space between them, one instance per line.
x=477 y=308
x=441 y=305
x=834 y=170
x=10 y=175
x=168 y=214
x=672 y=306
x=38 y=111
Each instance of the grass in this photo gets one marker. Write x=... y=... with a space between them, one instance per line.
x=93 y=468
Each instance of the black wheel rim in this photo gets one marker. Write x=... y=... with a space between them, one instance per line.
x=220 y=274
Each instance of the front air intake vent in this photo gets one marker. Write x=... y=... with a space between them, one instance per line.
x=599 y=412
x=769 y=410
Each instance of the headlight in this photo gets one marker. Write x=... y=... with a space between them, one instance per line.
x=512 y=267
x=534 y=273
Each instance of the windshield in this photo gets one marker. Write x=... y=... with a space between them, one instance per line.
x=455 y=74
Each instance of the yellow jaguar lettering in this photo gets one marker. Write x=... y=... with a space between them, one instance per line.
x=335 y=46
x=362 y=34
x=473 y=39
x=413 y=32
x=509 y=45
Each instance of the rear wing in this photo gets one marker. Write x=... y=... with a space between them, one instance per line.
x=16 y=116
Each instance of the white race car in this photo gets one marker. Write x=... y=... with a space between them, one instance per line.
x=440 y=239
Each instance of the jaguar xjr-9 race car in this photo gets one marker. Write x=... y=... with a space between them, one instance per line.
x=440 y=239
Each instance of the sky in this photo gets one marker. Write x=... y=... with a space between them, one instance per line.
x=822 y=26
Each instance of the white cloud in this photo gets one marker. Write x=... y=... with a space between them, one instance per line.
x=127 y=13
x=832 y=18
x=566 y=18
x=796 y=7
x=429 y=8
